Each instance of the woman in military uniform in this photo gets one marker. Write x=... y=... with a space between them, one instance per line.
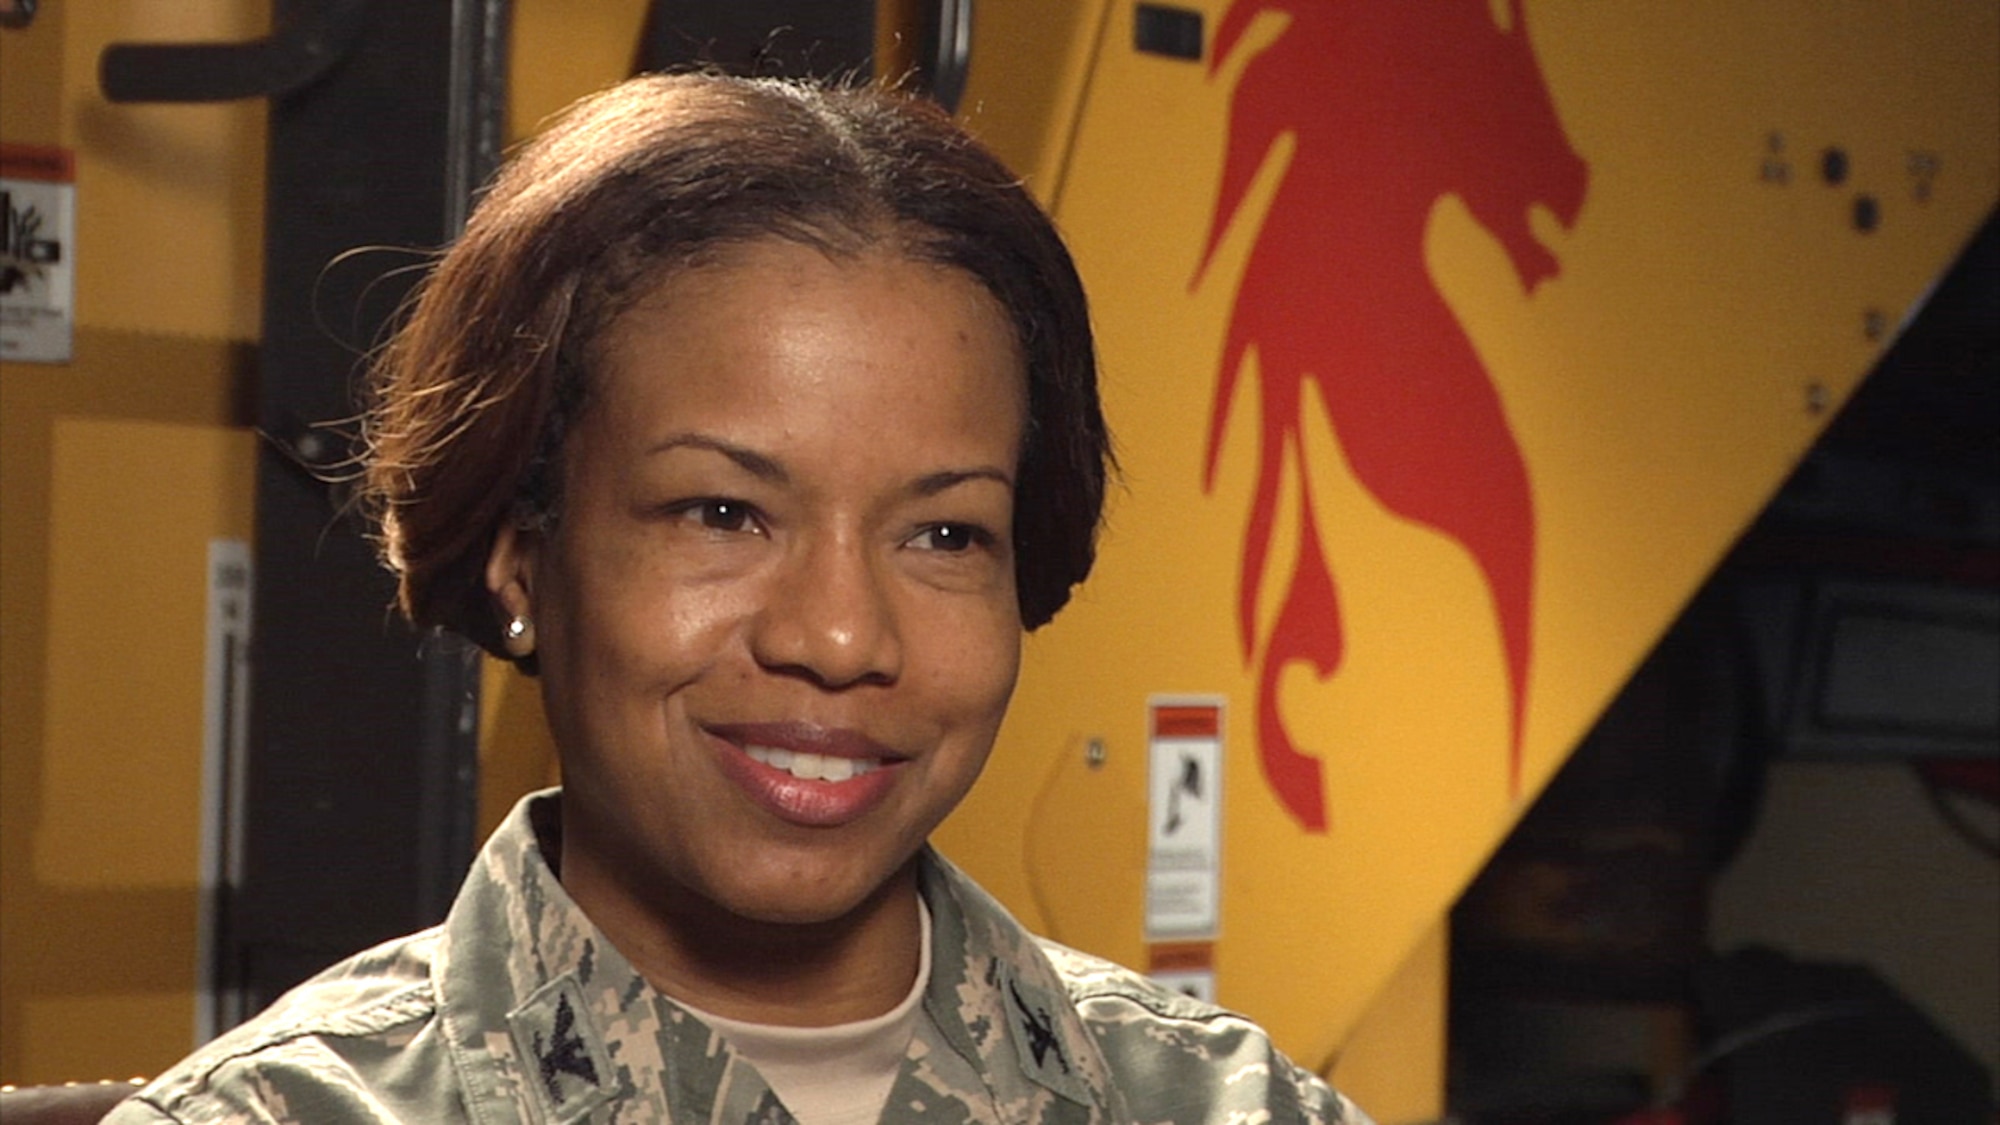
x=759 y=420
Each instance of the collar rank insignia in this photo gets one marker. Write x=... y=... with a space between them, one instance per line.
x=556 y=1042
x=1042 y=1048
x=564 y=1053
x=1038 y=1030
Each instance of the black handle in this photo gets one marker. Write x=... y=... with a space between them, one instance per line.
x=950 y=50
x=296 y=53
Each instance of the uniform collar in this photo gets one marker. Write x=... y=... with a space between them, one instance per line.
x=1000 y=1004
x=539 y=1006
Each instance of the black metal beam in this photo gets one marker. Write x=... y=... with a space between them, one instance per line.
x=361 y=788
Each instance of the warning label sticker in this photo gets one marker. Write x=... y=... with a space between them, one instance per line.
x=1184 y=836
x=37 y=280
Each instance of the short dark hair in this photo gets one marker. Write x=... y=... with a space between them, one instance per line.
x=470 y=401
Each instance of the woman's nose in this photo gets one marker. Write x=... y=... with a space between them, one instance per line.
x=829 y=617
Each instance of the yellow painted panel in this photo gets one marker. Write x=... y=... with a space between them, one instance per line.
x=133 y=506
x=1025 y=82
x=107 y=514
x=1394 y=1063
x=170 y=198
x=560 y=50
x=1626 y=244
x=31 y=66
x=78 y=939
x=107 y=1037
x=516 y=754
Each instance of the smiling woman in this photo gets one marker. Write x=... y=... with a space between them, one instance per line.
x=776 y=646
x=759 y=420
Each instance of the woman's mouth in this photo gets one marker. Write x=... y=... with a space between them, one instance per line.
x=808 y=766
x=808 y=776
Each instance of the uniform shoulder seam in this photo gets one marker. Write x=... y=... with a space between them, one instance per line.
x=410 y=1003
x=1088 y=977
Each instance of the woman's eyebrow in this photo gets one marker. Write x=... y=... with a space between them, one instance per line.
x=750 y=460
x=934 y=483
x=766 y=468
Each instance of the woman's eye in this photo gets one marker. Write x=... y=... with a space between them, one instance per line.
x=951 y=537
x=719 y=515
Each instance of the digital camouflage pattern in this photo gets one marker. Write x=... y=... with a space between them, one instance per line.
x=516 y=1010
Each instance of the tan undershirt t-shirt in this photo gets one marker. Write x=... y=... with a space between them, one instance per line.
x=838 y=1075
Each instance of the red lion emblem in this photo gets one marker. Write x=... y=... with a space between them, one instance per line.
x=1394 y=105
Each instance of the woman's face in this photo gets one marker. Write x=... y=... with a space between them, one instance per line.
x=776 y=621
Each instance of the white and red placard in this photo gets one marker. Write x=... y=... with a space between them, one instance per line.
x=37 y=243
x=1184 y=813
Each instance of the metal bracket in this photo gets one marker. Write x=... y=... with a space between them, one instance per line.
x=296 y=54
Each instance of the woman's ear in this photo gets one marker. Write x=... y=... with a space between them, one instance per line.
x=510 y=578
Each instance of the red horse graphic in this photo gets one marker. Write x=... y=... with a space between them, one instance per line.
x=1394 y=104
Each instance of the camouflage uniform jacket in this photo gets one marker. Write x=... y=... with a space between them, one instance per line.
x=516 y=1009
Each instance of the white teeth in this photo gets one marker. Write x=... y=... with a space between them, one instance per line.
x=810 y=767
